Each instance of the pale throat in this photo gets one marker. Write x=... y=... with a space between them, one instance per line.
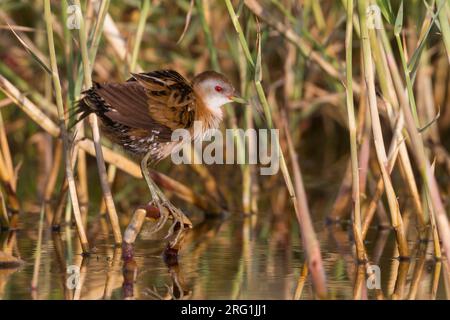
x=214 y=101
x=209 y=114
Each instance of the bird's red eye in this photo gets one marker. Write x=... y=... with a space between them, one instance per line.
x=218 y=88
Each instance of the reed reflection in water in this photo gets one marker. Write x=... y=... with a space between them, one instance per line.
x=237 y=258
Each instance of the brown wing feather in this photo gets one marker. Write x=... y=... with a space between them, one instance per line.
x=126 y=104
x=171 y=98
x=141 y=113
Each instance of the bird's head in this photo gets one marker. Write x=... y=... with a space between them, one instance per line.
x=214 y=89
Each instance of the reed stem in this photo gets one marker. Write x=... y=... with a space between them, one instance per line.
x=356 y=209
x=396 y=218
x=93 y=120
x=63 y=129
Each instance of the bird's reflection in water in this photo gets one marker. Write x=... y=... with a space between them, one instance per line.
x=176 y=291
x=194 y=241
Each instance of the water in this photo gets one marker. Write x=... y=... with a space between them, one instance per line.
x=238 y=258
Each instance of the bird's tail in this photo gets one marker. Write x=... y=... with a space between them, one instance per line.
x=86 y=105
x=80 y=111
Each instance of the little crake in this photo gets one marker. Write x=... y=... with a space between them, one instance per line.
x=141 y=114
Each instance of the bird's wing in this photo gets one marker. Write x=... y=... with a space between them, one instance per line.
x=158 y=101
x=171 y=99
x=125 y=104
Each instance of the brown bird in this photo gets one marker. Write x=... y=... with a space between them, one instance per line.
x=141 y=114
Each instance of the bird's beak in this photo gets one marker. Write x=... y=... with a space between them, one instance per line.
x=237 y=99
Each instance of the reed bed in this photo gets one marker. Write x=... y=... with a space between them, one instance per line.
x=371 y=77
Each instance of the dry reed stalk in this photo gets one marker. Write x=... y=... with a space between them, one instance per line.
x=93 y=120
x=7 y=173
x=248 y=179
x=5 y=153
x=434 y=230
x=392 y=157
x=29 y=107
x=62 y=129
x=135 y=226
x=309 y=239
x=392 y=107
x=432 y=217
x=46 y=105
x=8 y=183
x=344 y=196
x=356 y=208
x=364 y=130
x=396 y=218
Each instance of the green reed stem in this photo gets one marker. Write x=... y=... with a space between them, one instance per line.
x=139 y=33
x=208 y=35
x=409 y=85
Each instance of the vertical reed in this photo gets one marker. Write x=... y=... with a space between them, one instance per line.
x=356 y=209
x=396 y=218
x=63 y=129
x=96 y=137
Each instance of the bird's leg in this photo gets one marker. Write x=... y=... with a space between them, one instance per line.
x=180 y=223
x=164 y=215
x=166 y=208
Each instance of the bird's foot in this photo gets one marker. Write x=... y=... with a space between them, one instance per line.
x=180 y=221
x=180 y=224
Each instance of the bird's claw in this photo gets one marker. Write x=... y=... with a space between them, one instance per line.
x=180 y=221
